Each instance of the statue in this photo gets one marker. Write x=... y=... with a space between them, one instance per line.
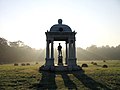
x=59 y=50
x=60 y=55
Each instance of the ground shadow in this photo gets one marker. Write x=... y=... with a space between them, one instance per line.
x=68 y=83
x=48 y=81
x=89 y=82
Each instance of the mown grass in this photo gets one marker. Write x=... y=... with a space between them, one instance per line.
x=18 y=77
x=93 y=77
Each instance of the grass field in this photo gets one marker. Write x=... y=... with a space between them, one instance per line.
x=93 y=77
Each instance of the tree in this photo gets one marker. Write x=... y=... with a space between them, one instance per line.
x=3 y=42
x=17 y=44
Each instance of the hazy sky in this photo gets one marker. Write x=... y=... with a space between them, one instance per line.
x=97 y=22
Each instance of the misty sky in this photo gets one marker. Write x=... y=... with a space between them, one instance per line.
x=97 y=22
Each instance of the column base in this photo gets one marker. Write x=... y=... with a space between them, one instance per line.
x=72 y=62
x=60 y=68
x=47 y=68
x=49 y=62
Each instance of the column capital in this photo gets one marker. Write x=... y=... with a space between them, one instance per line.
x=66 y=42
x=71 y=40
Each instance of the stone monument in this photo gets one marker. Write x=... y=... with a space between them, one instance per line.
x=60 y=32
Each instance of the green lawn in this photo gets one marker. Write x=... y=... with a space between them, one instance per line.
x=94 y=77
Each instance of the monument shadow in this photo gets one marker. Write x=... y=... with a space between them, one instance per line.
x=48 y=81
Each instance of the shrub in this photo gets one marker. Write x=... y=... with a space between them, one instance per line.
x=22 y=64
x=104 y=61
x=15 y=64
x=105 y=66
x=94 y=63
x=84 y=65
x=36 y=62
x=28 y=64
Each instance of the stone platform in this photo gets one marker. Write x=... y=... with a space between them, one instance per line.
x=60 y=68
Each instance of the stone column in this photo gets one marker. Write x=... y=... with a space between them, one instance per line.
x=69 y=53
x=72 y=57
x=52 y=50
x=47 y=49
x=74 y=47
x=66 y=54
x=47 y=53
x=70 y=49
x=52 y=54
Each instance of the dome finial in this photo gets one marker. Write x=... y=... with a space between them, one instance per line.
x=59 y=21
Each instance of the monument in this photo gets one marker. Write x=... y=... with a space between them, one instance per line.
x=60 y=32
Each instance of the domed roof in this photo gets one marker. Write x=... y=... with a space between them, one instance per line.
x=60 y=27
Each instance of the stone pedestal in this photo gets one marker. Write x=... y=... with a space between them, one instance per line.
x=60 y=60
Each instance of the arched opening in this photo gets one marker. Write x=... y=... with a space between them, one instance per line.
x=56 y=44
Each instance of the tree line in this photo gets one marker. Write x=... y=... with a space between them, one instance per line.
x=99 y=53
x=17 y=51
